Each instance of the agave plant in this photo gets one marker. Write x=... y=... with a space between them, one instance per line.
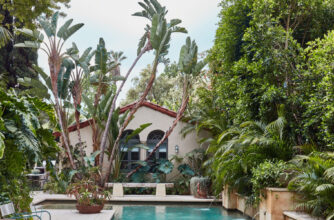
x=53 y=47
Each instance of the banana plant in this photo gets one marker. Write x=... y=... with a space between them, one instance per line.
x=157 y=37
x=53 y=45
x=188 y=67
x=79 y=76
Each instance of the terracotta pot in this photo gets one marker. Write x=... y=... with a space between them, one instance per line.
x=201 y=193
x=87 y=209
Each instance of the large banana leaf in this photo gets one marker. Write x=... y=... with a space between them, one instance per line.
x=64 y=78
x=70 y=31
x=101 y=56
x=137 y=131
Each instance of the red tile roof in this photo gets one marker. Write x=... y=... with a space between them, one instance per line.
x=122 y=110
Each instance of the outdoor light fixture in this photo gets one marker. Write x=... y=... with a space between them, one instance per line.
x=176 y=149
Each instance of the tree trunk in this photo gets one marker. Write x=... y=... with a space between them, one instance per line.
x=129 y=117
x=185 y=100
x=54 y=65
x=103 y=144
x=66 y=141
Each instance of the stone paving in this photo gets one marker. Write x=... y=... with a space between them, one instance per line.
x=68 y=214
x=39 y=197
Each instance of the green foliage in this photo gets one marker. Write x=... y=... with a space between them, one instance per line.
x=237 y=150
x=86 y=190
x=166 y=90
x=5 y=36
x=269 y=174
x=25 y=142
x=267 y=54
x=185 y=170
x=314 y=183
x=188 y=59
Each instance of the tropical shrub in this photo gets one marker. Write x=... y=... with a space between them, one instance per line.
x=314 y=183
x=23 y=141
x=269 y=174
x=236 y=151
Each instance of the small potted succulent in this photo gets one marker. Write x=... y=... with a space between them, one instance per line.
x=89 y=195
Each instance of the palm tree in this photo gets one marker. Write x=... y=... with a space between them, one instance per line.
x=115 y=60
x=315 y=183
x=53 y=47
x=238 y=149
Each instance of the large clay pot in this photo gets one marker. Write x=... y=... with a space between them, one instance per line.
x=199 y=187
x=87 y=209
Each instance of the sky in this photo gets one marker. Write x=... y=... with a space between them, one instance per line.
x=112 y=20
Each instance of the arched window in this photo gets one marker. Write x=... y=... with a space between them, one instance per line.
x=129 y=154
x=152 y=139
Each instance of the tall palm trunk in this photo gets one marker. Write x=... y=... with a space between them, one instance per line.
x=54 y=65
x=128 y=119
x=103 y=144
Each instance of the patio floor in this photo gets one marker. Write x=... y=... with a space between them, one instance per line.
x=39 y=197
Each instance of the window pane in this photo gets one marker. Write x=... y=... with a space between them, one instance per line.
x=162 y=155
x=124 y=156
x=134 y=155
x=135 y=150
x=163 y=148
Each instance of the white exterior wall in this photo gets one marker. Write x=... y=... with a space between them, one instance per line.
x=86 y=136
x=159 y=121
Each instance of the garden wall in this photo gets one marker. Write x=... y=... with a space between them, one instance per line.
x=271 y=207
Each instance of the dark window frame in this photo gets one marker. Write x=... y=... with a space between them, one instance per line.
x=152 y=139
x=129 y=160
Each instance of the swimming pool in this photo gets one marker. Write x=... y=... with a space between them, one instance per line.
x=175 y=212
x=162 y=211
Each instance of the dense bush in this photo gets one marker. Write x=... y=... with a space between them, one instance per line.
x=23 y=141
x=315 y=183
x=269 y=174
x=267 y=54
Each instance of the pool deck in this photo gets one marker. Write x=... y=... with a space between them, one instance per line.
x=64 y=214
x=39 y=197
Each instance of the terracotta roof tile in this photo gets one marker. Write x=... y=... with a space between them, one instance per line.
x=122 y=110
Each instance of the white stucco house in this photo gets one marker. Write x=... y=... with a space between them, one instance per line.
x=161 y=119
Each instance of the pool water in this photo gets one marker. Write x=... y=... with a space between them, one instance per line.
x=162 y=211
x=174 y=212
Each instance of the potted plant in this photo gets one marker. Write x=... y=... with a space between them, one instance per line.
x=89 y=195
x=200 y=187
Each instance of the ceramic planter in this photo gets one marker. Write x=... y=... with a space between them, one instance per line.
x=88 y=209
